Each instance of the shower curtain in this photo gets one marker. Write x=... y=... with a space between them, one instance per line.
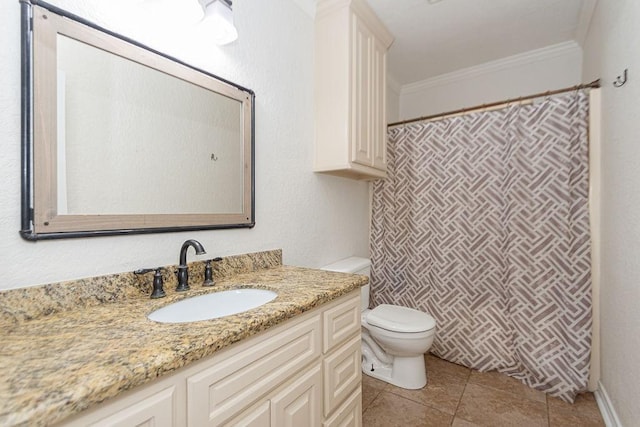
x=483 y=223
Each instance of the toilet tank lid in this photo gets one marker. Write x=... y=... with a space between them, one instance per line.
x=400 y=319
x=349 y=265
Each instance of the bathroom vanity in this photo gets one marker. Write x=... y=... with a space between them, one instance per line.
x=292 y=361
x=303 y=372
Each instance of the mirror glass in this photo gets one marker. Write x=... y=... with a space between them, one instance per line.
x=129 y=140
x=138 y=140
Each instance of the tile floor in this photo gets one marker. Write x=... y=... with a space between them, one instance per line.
x=461 y=397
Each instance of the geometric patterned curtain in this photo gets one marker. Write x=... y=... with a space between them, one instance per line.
x=483 y=222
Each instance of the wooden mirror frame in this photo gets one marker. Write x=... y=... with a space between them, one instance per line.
x=39 y=216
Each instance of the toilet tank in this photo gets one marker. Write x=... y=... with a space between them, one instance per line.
x=355 y=265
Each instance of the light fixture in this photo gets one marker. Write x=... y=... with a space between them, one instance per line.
x=218 y=20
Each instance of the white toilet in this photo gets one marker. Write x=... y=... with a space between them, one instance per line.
x=394 y=338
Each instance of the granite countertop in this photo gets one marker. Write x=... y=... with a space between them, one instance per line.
x=61 y=363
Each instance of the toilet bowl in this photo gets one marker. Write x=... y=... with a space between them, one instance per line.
x=394 y=338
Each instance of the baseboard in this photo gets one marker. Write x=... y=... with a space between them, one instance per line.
x=606 y=407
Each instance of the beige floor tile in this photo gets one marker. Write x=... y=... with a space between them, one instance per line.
x=502 y=382
x=389 y=410
x=486 y=406
x=583 y=412
x=435 y=364
x=461 y=397
x=368 y=395
x=373 y=382
x=459 y=422
x=442 y=392
x=371 y=388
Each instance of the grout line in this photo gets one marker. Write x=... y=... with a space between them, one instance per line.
x=379 y=391
x=455 y=413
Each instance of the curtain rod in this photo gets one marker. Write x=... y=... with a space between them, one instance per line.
x=593 y=85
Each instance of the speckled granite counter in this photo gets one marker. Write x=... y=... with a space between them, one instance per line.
x=57 y=360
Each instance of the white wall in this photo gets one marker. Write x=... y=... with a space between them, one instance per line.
x=314 y=218
x=393 y=100
x=549 y=68
x=611 y=46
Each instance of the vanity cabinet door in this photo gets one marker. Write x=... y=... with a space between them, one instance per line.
x=342 y=363
x=349 y=414
x=158 y=410
x=259 y=415
x=299 y=403
x=340 y=323
x=342 y=374
x=231 y=384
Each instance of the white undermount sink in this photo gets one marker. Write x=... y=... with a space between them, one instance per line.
x=212 y=306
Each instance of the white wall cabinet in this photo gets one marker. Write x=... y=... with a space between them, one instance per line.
x=351 y=48
x=304 y=372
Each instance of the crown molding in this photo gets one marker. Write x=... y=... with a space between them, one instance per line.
x=325 y=7
x=364 y=12
x=307 y=6
x=560 y=49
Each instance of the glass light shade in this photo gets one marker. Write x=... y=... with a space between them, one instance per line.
x=217 y=23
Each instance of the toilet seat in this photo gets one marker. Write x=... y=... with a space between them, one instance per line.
x=400 y=319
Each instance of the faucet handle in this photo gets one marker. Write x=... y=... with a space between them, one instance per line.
x=208 y=272
x=158 y=291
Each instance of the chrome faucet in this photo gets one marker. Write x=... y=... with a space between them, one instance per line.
x=183 y=273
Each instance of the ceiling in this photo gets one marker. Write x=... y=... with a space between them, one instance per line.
x=434 y=37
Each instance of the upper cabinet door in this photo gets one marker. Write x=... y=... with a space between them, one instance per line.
x=350 y=79
x=379 y=105
x=362 y=94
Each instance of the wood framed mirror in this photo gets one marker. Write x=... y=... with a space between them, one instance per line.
x=119 y=138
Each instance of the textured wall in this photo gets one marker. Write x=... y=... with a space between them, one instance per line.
x=532 y=72
x=611 y=46
x=314 y=218
x=393 y=103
